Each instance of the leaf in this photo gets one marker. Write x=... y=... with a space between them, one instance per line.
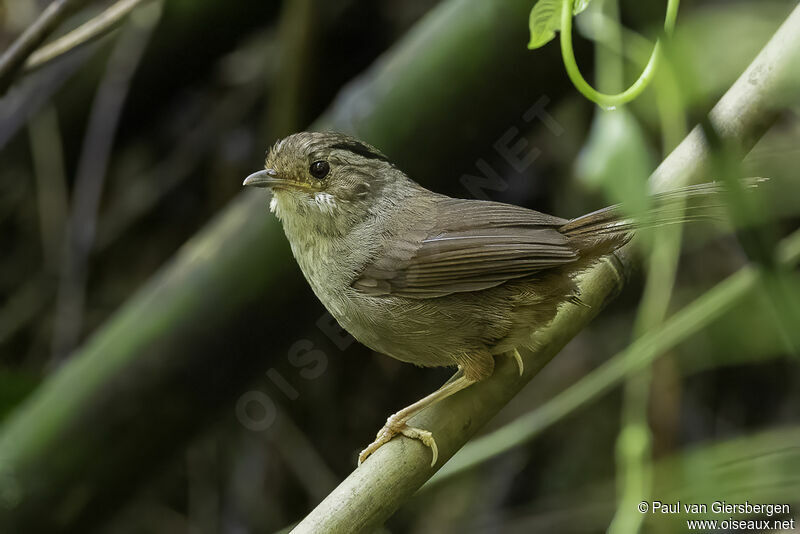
x=617 y=159
x=545 y=20
x=579 y=6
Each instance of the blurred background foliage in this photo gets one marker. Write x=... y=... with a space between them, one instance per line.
x=112 y=158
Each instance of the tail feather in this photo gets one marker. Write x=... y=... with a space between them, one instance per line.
x=672 y=207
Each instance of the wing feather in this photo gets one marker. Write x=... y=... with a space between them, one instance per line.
x=466 y=245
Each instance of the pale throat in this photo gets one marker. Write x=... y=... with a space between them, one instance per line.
x=305 y=216
x=283 y=203
x=317 y=226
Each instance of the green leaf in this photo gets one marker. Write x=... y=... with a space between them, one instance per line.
x=579 y=6
x=617 y=160
x=545 y=20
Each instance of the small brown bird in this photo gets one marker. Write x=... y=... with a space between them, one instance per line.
x=425 y=278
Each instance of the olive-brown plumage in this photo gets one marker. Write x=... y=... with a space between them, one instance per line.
x=419 y=276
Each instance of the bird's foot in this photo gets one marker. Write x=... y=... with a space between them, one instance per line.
x=394 y=427
x=518 y=359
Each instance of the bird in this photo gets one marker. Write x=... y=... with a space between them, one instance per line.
x=429 y=279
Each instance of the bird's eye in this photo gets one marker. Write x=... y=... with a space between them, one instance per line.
x=319 y=169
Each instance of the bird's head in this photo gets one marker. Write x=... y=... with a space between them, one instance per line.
x=326 y=177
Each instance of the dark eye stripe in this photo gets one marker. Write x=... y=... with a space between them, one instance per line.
x=361 y=149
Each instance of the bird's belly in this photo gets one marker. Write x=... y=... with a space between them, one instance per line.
x=429 y=332
x=422 y=332
x=405 y=329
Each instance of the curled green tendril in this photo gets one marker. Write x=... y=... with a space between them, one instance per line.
x=605 y=100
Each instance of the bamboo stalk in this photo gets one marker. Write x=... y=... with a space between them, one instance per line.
x=14 y=57
x=93 y=29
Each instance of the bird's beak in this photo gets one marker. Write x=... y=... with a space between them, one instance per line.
x=265 y=178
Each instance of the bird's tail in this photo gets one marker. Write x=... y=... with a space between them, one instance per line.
x=687 y=204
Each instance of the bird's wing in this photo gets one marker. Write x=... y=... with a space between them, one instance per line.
x=466 y=245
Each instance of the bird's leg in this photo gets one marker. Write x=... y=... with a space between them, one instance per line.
x=518 y=357
x=458 y=374
x=396 y=424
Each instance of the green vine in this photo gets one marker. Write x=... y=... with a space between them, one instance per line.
x=546 y=18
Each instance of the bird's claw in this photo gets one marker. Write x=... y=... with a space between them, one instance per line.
x=520 y=363
x=425 y=437
x=393 y=428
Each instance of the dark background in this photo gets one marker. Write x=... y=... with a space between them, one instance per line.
x=216 y=84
